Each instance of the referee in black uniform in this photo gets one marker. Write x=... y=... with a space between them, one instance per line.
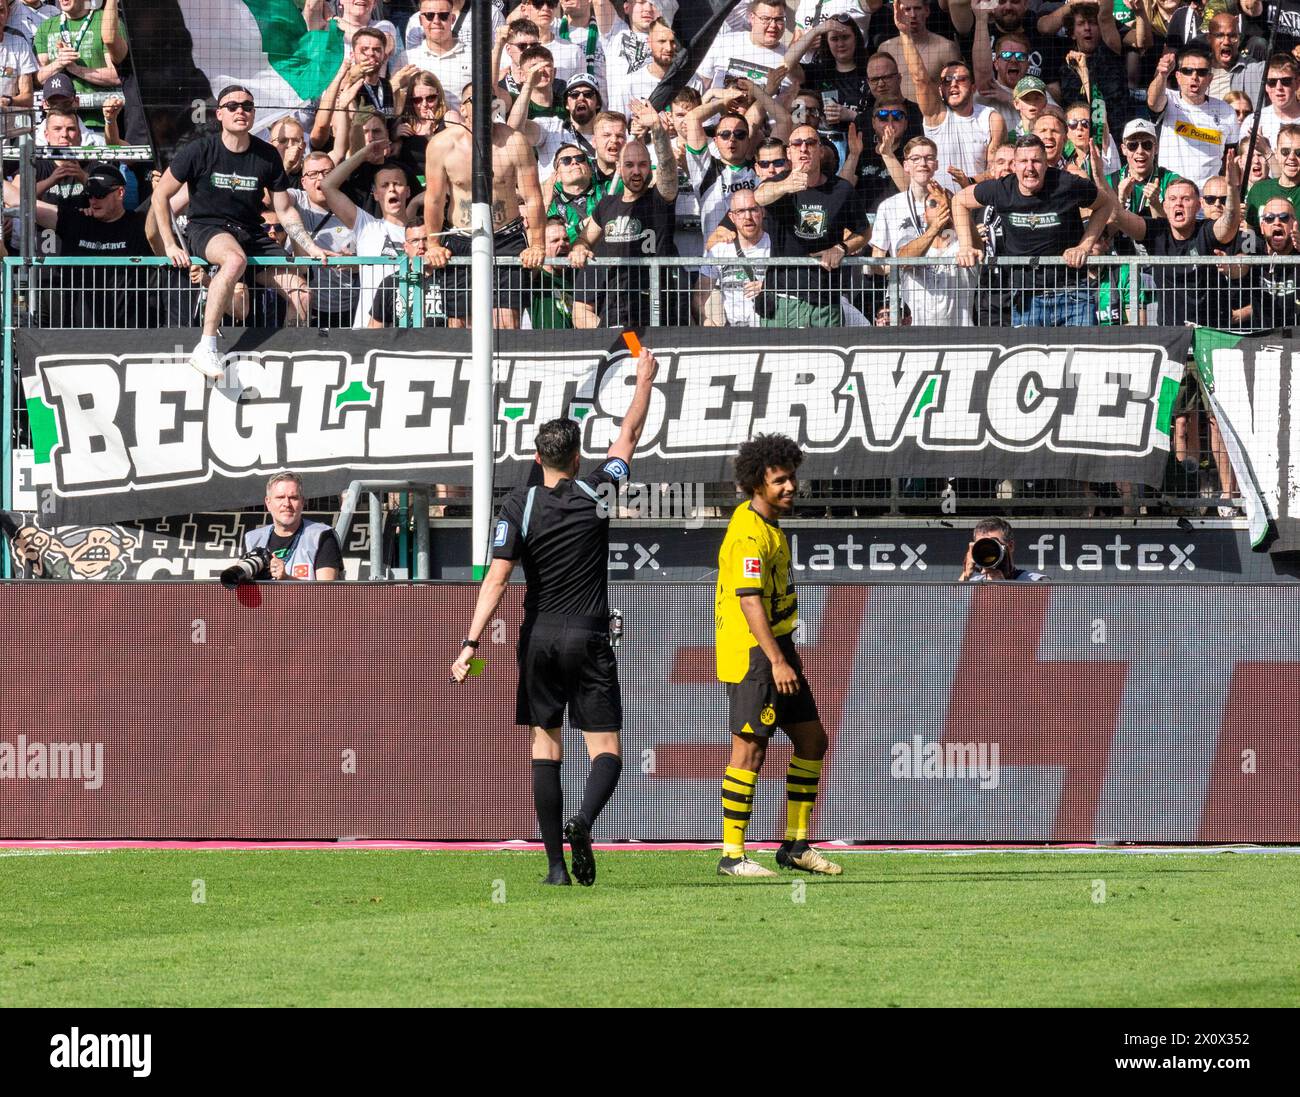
x=559 y=530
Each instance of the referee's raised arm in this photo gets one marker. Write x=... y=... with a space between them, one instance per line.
x=634 y=421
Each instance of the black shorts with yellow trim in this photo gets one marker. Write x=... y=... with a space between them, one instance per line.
x=756 y=706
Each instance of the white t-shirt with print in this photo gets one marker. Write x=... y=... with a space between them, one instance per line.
x=1193 y=137
x=722 y=178
x=938 y=295
x=737 y=55
x=16 y=59
x=374 y=238
x=730 y=278
x=626 y=51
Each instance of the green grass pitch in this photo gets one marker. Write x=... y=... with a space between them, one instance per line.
x=380 y=928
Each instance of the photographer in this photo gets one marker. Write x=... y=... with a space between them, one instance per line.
x=299 y=548
x=993 y=545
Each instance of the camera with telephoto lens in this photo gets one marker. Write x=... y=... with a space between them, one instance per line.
x=988 y=552
x=246 y=569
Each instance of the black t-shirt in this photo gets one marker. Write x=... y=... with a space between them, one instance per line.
x=642 y=227
x=1109 y=77
x=874 y=185
x=561 y=535
x=1045 y=223
x=849 y=89
x=66 y=192
x=1288 y=25
x=379 y=97
x=1182 y=291
x=412 y=153
x=82 y=235
x=805 y=223
x=1271 y=293
x=328 y=553
x=227 y=186
x=389 y=307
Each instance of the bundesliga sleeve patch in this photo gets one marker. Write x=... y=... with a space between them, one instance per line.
x=502 y=531
x=616 y=467
x=752 y=567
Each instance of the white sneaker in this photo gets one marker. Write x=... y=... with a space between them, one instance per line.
x=208 y=362
x=742 y=866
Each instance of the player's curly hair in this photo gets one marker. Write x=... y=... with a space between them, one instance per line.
x=763 y=452
x=557 y=443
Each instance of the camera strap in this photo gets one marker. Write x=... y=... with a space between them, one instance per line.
x=288 y=550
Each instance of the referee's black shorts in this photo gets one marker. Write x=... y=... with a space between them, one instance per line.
x=563 y=661
x=756 y=706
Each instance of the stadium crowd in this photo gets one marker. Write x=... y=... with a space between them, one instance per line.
x=953 y=129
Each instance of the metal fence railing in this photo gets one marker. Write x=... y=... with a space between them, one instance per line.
x=1241 y=293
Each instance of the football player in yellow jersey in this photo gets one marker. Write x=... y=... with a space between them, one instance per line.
x=755 y=613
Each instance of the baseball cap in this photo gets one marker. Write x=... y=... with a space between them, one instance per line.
x=1027 y=85
x=102 y=180
x=1138 y=125
x=59 y=86
x=582 y=80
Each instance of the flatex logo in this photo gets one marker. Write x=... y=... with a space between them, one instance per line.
x=1059 y=552
x=88 y=1050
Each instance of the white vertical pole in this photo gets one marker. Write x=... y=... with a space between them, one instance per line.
x=480 y=389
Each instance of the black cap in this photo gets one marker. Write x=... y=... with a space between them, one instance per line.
x=59 y=86
x=102 y=180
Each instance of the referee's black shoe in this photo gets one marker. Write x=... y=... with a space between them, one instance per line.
x=558 y=875
x=578 y=832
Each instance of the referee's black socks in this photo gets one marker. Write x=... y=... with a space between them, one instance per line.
x=601 y=782
x=548 y=799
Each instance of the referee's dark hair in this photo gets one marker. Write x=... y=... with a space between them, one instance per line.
x=763 y=452
x=557 y=443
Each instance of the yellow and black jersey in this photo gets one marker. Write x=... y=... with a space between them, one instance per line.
x=754 y=559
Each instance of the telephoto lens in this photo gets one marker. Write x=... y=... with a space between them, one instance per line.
x=246 y=569
x=988 y=552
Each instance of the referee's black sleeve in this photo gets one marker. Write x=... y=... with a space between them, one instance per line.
x=613 y=470
x=507 y=533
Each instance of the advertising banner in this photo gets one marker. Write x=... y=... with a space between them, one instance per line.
x=1022 y=712
x=123 y=430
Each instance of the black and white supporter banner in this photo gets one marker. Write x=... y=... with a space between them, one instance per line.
x=122 y=431
x=1251 y=386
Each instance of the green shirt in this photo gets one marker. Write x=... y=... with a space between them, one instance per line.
x=1264 y=192
x=552 y=305
x=1114 y=296
x=574 y=210
x=87 y=35
x=1135 y=200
